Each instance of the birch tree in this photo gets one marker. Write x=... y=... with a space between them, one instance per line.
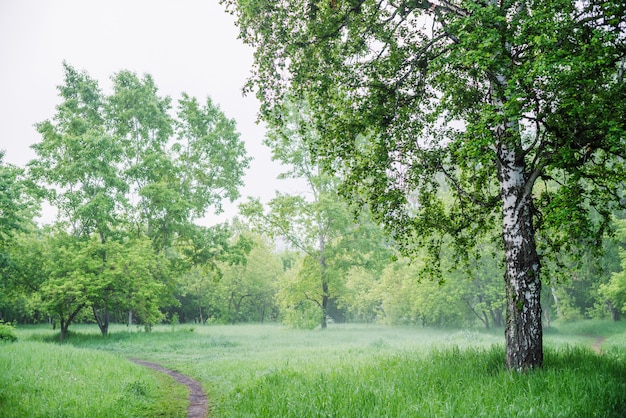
x=518 y=105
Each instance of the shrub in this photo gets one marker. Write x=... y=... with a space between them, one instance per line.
x=7 y=332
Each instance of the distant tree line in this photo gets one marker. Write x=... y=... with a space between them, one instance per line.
x=129 y=181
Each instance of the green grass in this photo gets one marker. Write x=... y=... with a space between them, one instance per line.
x=368 y=370
x=46 y=380
x=450 y=383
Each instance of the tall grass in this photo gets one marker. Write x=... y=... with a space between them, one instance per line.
x=45 y=380
x=449 y=383
x=376 y=371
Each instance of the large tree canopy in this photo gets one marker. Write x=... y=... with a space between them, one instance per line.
x=107 y=159
x=121 y=166
x=517 y=107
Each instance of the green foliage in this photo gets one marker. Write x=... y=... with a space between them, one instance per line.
x=467 y=294
x=299 y=295
x=217 y=258
x=78 y=160
x=7 y=332
x=318 y=225
x=305 y=315
x=516 y=108
x=75 y=274
x=129 y=180
x=250 y=287
x=17 y=208
x=12 y=202
x=106 y=159
x=207 y=142
x=371 y=75
x=360 y=297
x=613 y=292
x=405 y=300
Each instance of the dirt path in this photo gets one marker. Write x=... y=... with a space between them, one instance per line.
x=198 y=402
x=597 y=344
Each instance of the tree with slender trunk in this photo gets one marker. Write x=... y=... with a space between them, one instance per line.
x=311 y=222
x=517 y=107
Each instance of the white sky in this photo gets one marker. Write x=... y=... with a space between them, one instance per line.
x=186 y=45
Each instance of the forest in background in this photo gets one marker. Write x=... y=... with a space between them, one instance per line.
x=130 y=176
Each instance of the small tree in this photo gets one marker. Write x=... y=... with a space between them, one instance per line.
x=251 y=284
x=72 y=267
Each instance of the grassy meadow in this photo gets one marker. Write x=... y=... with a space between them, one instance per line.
x=344 y=371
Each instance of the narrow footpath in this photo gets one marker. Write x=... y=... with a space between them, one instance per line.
x=198 y=402
x=597 y=344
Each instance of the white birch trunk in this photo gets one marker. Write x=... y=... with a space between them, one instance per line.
x=523 y=329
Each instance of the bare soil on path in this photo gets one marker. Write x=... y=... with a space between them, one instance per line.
x=597 y=344
x=198 y=402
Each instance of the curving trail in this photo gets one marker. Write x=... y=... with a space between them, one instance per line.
x=597 y=344
x=198 y=402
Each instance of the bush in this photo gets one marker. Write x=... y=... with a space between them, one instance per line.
x=7 y=332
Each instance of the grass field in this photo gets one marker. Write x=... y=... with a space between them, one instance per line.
x=46 y=380
x=344 y=371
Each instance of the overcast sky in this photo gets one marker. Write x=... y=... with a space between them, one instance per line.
x=186 y=45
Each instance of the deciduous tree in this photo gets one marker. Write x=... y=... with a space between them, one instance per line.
x=120 y=162
x=312 y=222
x=249 y=288
x=498 y=97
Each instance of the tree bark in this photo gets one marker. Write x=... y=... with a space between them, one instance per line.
x=238 y=307
x=557 y=305
x=523 y=328
x=325 y=294
x=325 y=298
x=66 y=322
x=102 y=320
x=496 y=317
x=615 y=314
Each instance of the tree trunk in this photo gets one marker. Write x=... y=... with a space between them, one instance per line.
x=615 y=314
x=496 y=317
x=325 y=298
x=557 y=305
x=103 y=319
x=64 y=326
x=482 y=315
x=486 y=320
x=65 y=322
x=237 y=308
x=523 y=328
